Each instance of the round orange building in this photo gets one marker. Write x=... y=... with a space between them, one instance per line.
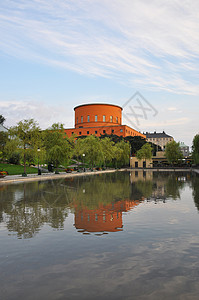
x=100 y=119
x=92 y=115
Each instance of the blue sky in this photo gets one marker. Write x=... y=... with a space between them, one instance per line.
x=57 y=54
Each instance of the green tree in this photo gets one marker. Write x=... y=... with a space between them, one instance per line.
x=107 y=150
x=195 y=148
x=3 y=141
x=26 y=134
x=122 y=153
x=11 y=151
x=173 y=152
x=57 y=145
x=145 y=152
x=91 y=147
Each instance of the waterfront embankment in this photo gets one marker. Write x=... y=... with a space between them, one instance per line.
x=50 y=176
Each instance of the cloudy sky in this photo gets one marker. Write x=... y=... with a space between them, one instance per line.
x=56 y=54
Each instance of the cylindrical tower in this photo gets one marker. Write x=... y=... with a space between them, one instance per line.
x=96 y=114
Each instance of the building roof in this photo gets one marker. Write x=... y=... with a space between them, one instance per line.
x=157 y=135
x=2 y=128
x=89 y=104
x=182 y=145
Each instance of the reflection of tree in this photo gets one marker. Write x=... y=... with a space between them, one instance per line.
x=173 y=187
x=195 y=184
x=161 y=186
x=25 y=208
x=105 y=189
x=30 y=206
x=145 y=187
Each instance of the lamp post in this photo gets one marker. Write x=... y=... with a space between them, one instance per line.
x=39 y=171
x=83 y=160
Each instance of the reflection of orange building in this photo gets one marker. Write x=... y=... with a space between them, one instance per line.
x=100 y=119
x=105 y=218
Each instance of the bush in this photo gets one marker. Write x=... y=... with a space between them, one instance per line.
x=14 y=158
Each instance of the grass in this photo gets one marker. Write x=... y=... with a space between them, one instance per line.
x=17 y=169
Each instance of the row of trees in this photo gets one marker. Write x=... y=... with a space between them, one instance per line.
x=27 y=142
x=173 y=153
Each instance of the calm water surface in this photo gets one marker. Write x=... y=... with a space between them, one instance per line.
x=112 y=236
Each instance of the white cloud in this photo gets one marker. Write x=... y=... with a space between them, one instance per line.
x=172 y=108
x=45 y=115
x=149 y=44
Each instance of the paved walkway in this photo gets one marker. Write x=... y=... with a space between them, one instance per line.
x=49 y=176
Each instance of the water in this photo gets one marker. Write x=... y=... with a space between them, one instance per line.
x=111 y=236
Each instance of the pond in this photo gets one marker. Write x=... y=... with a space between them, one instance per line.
x=125 y=235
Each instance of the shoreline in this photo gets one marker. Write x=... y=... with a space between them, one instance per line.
x=35 y=177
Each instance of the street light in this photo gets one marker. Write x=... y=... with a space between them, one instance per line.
x=83 y=160
x=39 y=171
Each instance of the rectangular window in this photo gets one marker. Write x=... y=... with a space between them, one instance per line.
x=111 y=118
x=88 y=118
x=87 y=132
x=104 y=118
x=80 y=132
x=121 y=130
x=95 y=118
x=96 y=217
x=104 y=131
x=95 y=131
x=81 y=119
x=72 y=132
x=116 y=119
x=112 y=130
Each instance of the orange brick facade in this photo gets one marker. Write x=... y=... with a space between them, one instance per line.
x=100 y=119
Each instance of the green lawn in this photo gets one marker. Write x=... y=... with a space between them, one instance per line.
x=16 y=170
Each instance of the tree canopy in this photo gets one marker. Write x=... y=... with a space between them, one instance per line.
x=26 y=135
x=57 y=145
x=173 y=152
x=145 y=152
x=195 y=148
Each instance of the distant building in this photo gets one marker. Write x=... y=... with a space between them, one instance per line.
x=3 y=129
x=99 y=119
x=159 y=138
x=184 y=149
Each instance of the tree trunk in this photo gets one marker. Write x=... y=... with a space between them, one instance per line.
x=24 y=160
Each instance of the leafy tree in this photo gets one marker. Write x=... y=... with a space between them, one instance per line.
x=107 y=149
x=12 y=152
x=136 y=143
x=26 y=134
x=91 y=147
x=173 y=152
x=195 y=148
x=3 y=141
x=122 y=153
x=58 y=146
x=2 y=119
x=145 y=152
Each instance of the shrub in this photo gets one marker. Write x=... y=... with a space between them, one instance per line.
x=14 y=158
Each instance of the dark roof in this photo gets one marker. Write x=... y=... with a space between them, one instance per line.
x=157 y=135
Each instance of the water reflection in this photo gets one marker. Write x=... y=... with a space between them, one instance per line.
x=98 y=202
